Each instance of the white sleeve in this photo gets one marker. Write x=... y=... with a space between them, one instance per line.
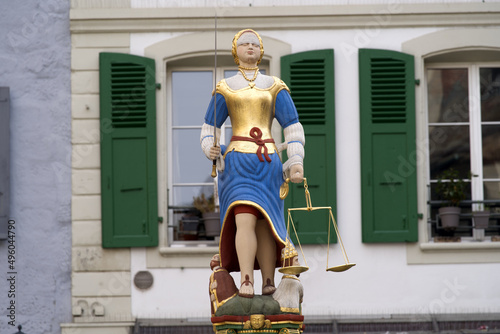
x=207 y=141
x=207 y=138
x=295 y=141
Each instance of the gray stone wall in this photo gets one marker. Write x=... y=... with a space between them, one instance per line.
x=35 y=63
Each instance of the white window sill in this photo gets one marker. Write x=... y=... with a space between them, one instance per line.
x=200 y=249
x=463 y=245
x=466 y=251
x=192 y=256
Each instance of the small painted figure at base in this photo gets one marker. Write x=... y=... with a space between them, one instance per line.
x=221 y=287
x=253 y=230
x=289 y=294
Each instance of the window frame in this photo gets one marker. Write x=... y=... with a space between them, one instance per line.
x=475 y=132
x=423 y=48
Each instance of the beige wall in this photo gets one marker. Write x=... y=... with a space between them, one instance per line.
x=101 y=277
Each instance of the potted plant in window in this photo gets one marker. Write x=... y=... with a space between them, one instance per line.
x=211 y=217
x=189 y=225
x=451 y=188
x=481 y=217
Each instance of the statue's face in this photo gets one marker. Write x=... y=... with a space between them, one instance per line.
x=248 y=48
x=257 y=320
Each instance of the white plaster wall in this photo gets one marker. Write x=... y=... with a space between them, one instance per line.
x=35 y=64
x=382 y=283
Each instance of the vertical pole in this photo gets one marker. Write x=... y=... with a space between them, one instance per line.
x=4 y=160
x=214 y=165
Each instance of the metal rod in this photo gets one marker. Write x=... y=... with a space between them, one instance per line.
x=346 y=259
x=296 y=236
x=214 y=162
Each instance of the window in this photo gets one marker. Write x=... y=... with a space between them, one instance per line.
x=190 y=52
x=188 y=95
x=463 y=105
x=446 y=48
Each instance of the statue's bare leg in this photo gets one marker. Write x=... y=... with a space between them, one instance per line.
x=266 y=255
x=246 y=249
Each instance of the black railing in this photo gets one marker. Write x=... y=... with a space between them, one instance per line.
x=466 y=218
x=438 y=323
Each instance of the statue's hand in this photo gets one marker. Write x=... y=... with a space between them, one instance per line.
x=296 y=173
x=214 y=152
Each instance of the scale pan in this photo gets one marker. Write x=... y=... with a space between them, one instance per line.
x=293 y=270
x=342 y=267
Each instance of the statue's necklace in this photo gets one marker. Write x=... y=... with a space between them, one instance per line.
x=251 y=82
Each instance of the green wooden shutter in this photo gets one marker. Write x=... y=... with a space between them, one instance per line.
x=388 y=147
x=128 y=151
x=310 y=77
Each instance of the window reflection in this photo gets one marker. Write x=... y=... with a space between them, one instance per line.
x=490 y=94
x=490 y=128
x=190 y=92
x=464 y=134
x=448 y=95
x=449 y=146
x=188 y=161
x=492 y=190
x=491 y=151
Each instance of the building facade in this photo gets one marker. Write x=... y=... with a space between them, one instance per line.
x=391 y=95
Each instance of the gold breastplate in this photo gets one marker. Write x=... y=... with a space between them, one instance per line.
x=249 y=108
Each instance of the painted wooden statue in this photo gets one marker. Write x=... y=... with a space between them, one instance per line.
x=253 y=231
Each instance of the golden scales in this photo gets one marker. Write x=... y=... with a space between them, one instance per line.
x=289 y=253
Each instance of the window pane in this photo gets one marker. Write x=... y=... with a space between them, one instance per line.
x=449 y=147
x=230 y=73
x=191 y=92
x=491 y=151
x=229 y=134
x=492 y=190
x=448 y=95
x=183 y=196
x=490 y=94
x=188 y=160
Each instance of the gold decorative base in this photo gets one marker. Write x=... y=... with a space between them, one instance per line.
x=252 y=331
x=259 y=323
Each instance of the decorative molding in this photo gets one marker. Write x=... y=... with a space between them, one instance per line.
x=392 y=15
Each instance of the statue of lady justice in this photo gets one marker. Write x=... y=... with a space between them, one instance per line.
x=250 y=170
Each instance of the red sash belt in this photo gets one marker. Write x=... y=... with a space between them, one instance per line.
x=256 y=135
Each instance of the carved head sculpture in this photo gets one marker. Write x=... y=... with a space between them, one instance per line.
x=257 y=321
x=246 y=36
